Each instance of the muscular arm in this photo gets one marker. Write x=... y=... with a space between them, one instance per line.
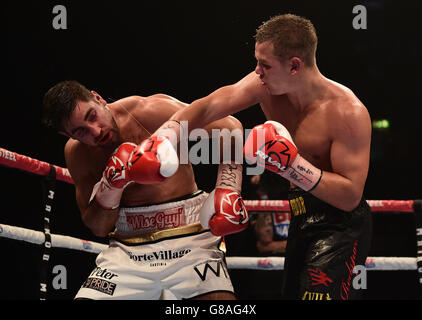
x=230 y=168
x=98 y=220
x=350 y=151
x=230 y=151
x=222 y=102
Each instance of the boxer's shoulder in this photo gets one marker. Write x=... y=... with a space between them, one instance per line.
x=131 y=104
x=348 y=117
x=343 y=100
x=340 y=103
x=347 y=109
x=148 y=103
x=73 y=147
x=83 y=159
x=75 y=154
x=156 y=108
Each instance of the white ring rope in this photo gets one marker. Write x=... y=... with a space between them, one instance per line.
x=277 y=263
x=255 y=263
x=57 y=241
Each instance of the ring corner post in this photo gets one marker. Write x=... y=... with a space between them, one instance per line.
x=418 y=223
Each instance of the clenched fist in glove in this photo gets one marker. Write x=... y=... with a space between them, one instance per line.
x=150 y=162
x=270 y=145
x=224 y=211
x=153 y=161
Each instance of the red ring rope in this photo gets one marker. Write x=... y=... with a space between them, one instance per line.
x=15 y=160
x=18 y=161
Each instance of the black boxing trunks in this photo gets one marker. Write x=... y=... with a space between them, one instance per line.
x=324 y=245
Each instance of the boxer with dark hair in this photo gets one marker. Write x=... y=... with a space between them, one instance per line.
x=318 y=138
x=131 y=186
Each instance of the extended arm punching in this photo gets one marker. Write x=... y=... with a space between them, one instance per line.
x=224 y=211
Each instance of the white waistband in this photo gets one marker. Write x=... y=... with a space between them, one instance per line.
x=135 y=221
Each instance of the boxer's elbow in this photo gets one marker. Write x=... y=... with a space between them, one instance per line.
x=98 y=232
x=88 y=222
x=351 y=201
x=97 y=227
x=341 y=192
x=349 y=205
x=344 y=197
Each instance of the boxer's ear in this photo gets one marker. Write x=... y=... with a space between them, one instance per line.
x=295 y=65
x=98 y=98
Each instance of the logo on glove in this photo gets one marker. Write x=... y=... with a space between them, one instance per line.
x=275 y=153
x=136 y=154
x=117 y=172
x=233 y=208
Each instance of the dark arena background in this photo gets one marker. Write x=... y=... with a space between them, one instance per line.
x=187 y=50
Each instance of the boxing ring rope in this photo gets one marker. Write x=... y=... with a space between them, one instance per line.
x=261 y=263
x=15 y=160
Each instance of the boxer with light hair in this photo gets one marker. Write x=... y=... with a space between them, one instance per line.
x=131 y=187
x=318 y=138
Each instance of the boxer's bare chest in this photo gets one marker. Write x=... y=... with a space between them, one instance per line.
x=310 y=128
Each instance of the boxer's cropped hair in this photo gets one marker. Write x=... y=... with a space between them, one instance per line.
x=291 y=36
x=60 y=101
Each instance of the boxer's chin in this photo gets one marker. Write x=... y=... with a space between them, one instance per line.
x=268 y=87
x=273 y=89
x=108 y=140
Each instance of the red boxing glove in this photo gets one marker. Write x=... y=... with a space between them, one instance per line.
x=108 y=191
x=153 y=161
x=117 y=172
x=224 y=212
x=270 y=145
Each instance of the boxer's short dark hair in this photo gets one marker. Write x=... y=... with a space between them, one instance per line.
x=291 y=36
x=60 y=101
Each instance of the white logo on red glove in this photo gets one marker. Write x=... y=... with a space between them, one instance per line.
x=113 y=173
x=233 y=208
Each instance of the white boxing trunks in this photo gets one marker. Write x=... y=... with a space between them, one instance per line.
x=159 y=252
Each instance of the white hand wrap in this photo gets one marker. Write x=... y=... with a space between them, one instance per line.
x=207 y=210
x=106 y=196
x=303 y=174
